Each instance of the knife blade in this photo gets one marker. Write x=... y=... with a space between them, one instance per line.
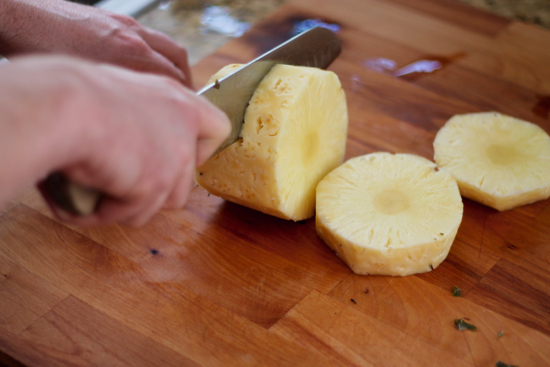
x=317 y=47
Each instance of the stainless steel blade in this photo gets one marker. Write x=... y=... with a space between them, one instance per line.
x=317 y=47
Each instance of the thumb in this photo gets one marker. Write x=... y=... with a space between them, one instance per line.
x=214 y=128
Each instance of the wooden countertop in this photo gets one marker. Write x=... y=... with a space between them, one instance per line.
x=217 y=284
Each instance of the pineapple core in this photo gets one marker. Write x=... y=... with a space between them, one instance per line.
x=497 y=160
x=389 y=214
x=294 y=133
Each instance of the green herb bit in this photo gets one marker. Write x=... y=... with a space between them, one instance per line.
x=502 y=364
x=457 y=292
x=500 y=334
x=463 y=325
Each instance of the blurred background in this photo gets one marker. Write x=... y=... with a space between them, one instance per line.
x=203 y=26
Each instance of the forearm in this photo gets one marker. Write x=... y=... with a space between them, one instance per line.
x=64 y=27
x=17 y=17
x=28 y=25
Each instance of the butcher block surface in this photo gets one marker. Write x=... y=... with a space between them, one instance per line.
x=217 y=284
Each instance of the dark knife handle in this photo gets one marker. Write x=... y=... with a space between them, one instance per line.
x=70 y=197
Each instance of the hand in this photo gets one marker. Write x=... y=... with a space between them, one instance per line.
x=135 y=137
x=59 y=26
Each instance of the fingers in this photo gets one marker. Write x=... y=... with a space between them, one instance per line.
x=169 y=49
x=184 y=183
x=145 y=49
x=163 y=131
x=133 y=213
x=159 y=64
x=215 y=127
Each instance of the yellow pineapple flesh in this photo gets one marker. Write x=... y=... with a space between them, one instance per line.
x=389 y=214
x=497 y=160
x=294 y=133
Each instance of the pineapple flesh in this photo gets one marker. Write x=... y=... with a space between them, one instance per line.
x=497 y=160
x=389 y=214
x=294 y=133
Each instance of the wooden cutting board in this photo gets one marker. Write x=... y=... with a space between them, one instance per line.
x=217 y=284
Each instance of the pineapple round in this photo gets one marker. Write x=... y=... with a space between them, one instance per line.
x=294 y=133
x=497 y=160
x=389 y=214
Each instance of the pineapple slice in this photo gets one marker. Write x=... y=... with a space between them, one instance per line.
x=294 y=133
x=389 y=214
x=497 y=160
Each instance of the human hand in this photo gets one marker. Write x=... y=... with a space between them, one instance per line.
x=59 y=26
x=135 y=137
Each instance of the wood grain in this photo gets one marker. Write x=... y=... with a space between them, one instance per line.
x=341 y=332
x=73 y=333
x=122 y=289
x=217 y=284
x=24 y=297
x=428 y=313
x=521 y=293
x=459 y=14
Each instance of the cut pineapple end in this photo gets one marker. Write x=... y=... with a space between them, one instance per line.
x=223 y=72
x=294 y=133
x=497 y=160
x=389 y=214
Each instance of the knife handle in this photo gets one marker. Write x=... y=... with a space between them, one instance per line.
x=70 y=197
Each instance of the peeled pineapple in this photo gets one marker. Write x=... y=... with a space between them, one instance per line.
x=389 y=214
x=497 y=160
x=294 y=133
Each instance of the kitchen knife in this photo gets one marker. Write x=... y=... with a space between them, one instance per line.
x=317 y=47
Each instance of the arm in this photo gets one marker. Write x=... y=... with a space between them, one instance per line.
x=59 y=26
x=136 y=137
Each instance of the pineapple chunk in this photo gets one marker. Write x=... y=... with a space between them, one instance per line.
x=497 y=160
x=294 y=133
x=389 y=214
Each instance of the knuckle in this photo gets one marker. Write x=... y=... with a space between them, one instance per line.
x=125 y=19
x=138 y=46
x=131 y=43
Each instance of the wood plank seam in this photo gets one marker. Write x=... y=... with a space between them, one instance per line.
x=42 y=316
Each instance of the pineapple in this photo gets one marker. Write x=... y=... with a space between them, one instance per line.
x=223 y=72
x=497 y=160
x=294 y=133
x=389 y=214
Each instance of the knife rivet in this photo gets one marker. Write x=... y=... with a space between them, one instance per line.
x=217 y=84
x=154 y=252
